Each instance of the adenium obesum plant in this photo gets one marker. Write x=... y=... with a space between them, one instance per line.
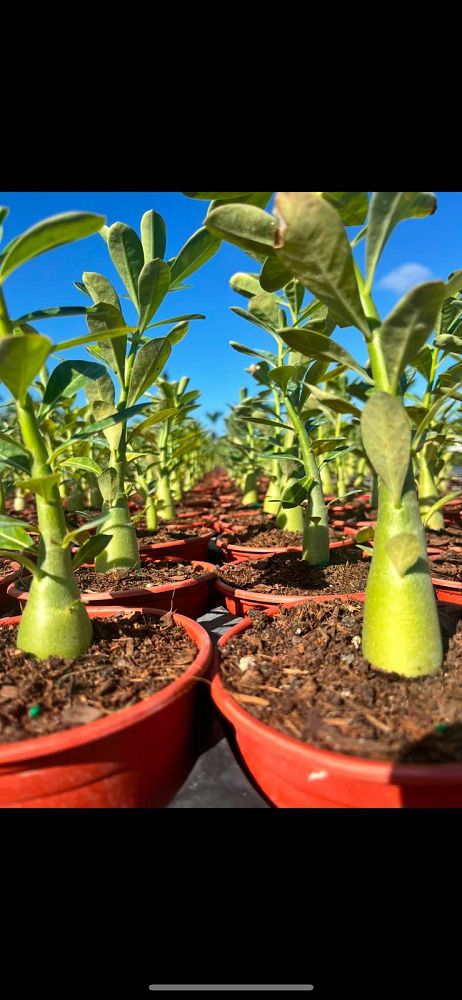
x=136 y=361
x=306 y=239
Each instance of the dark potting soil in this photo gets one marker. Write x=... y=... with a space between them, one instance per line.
x=452 y=535
x=447 y=567
x=166 y=534
x=288 y=574
x=159 y=573
x=130 y=659
x=271 y=537
x=6 y=567
x=303 y=674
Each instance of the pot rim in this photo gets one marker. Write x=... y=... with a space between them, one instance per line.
x=274 y=550
x=88 y=732
x=93 y=596
x=359 y=768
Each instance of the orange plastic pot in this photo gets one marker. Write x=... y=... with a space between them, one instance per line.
x=135 y=758
x=298 y=775
x=195 y=547
x=242 y=553
x=190 y=597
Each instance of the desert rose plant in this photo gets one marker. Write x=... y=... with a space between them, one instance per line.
x=306 y=239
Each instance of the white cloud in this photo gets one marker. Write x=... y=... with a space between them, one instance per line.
x=405 y=277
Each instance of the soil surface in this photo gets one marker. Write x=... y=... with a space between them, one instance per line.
x=287 y=574
x=6 y=567
x=159 y=573
x=271 y=537
x=303 y=674
x=130 y=659
x=452 y=535
x=447 y=567
x=167 y=534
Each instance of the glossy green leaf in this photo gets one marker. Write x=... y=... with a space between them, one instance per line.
x=386 y=434
x=334 y=402
x=264 y=420
x=102 y=411
x=295 y=494
x=127 y=255
x=149 y=362
x=316 y=345
x=46 y=235
x=50 y=313
x=365 y=534
x=423 y=362
x=90 y=549
x=325 y=445
x=107 y=483
x=177 y=333
x=153 y=285
x=84 y=463
x=43 y=485
x=259 y=199
x=246 y=284
x=13 y=454
x=100 y=289
x=403 y=550
x=274 y=275
x=352 y=206
x=404 y=332
x=388 y=208
x=200 y=247
x=13 y=536
x=155 y=418
x=68 y=377
x=314 y=247
x=21 y=359
x=245 y=226
x=153 y=236
x=284 y=374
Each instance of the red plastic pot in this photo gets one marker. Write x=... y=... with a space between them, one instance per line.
x=293 y=774
x=190 y=597
x=239 y=602
x=7 y=603
x=242 y=553
x=195 y=547
x=135 y=758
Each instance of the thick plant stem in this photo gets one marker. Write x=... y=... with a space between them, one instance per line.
x=55 y=621
x=151 y=513
x=428 y=495
x=19 y=502
x=327 y=481
x=167 y=507
x=250 y=498
x=401 y=631
x=316 y=531
x=122 y=551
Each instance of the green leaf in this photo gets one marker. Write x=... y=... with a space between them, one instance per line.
x=127 y=256
x=153 y=236
x=242 y=349
x=147 y=367
x=13 y=537
x=13 y=455
x=403 y=550
x=315 y=248
x=282 y=456
x=265 y=420
x=49 y=313
x=265 y=308
x=7 y=522
x=325 y=445
x=153 y=285
x=316 y=345
x=453 y=284
x=386 y=434
x=155 y=418
x=448 y=343
x=335 y=403
x=295 y=494
x=100 y=289
x=50 y=233
x=246 y=284
x=438 y=504
x=274 y=274
x=83 y=462
x=245 y=226
x=423 y=362
x=176 y=319
x=101 y=390
x=107 y=317
x=408 y=326
x=365 y=534
x=200 y=247
x=68 y=377
x=352 y=206
x=43 y=485
x=91 y=548
x=388 y=208
x=248 y=316
x=107 y=483
x=295 y=293
x=284 y=374
x=177 y=333
x=102 y=411
x=21 y=359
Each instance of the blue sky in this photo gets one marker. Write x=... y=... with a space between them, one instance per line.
x=432 y=246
